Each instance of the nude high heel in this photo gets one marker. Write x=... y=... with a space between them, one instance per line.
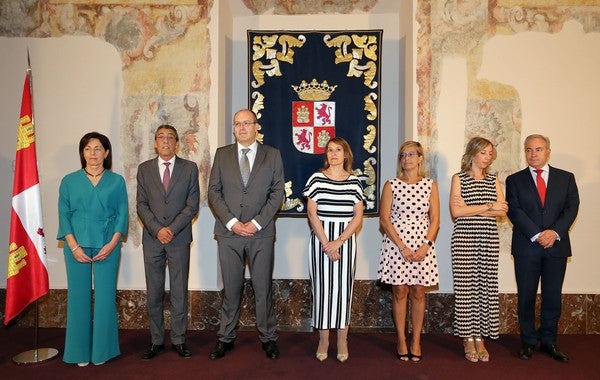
x=470 y=353
x=342 y=354
x=482 y=354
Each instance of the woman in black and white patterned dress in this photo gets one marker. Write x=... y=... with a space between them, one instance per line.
x=335 y=209
x=410 y=218
x=476 y=200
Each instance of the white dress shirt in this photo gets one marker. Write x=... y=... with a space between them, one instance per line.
x=161 y=167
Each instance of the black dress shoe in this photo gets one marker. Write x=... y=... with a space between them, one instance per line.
x=554 y=352
x=152 y=351
x=526 y=351
x=271 y=349
x=220 y=349
x=182 y=350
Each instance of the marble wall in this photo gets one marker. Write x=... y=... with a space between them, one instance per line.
x=371 y=309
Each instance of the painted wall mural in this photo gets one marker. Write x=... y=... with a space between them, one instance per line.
x=299 y=7
x=165 y=54
x=461 y=28
x=175 y=87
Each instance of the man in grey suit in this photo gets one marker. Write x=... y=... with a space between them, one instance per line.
x=168 y=198
x=245 y=190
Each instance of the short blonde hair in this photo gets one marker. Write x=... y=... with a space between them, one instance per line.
x=410 y=144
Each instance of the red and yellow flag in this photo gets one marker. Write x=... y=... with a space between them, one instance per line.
x=27 y=273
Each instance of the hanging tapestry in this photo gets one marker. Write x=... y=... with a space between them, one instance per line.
x=308 y=87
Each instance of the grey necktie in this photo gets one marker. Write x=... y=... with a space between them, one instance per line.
x=166 y=176
x=245 y=166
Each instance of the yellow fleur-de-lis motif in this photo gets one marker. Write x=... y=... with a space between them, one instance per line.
x=264 y=47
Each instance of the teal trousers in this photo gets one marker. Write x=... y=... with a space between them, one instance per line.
x=92 y=334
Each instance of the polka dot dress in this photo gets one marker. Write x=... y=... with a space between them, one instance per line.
x=410 y=217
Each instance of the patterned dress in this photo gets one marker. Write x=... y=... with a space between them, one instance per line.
x=410 y=217
x=332 y=281
x=475 y=248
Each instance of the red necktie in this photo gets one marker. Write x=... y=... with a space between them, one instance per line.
x=541 y=185
x=166 y=176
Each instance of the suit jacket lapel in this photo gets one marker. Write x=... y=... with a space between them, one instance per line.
x=533 y=188
x=258 y=159
x=549 y=184
x=155 y=173
x=234 y=161
x=175 y=174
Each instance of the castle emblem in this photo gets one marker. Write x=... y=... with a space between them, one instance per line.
x=313 y=117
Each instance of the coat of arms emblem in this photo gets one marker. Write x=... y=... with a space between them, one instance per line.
x=313 y=117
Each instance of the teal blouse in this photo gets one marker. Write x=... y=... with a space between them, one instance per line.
x=92 y=213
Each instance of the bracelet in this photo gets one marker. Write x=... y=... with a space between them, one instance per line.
x=429 y=243
x=340 y=238
x=402 y=249
x=75 y=249
x=489 y=205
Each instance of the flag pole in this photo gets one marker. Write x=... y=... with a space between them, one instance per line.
x=37 y=355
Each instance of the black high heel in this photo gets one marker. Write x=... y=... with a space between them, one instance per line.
x=415 y=358
x=403 y=357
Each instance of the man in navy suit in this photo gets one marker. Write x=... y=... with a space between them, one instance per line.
x=245 y=190
x=168 y=198
x=542 y=205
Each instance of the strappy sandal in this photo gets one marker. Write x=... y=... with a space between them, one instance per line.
x=470 y=354
x=483 y=355
x=402 y=357
x=415 y=358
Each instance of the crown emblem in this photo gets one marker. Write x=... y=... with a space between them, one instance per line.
x=314 y=90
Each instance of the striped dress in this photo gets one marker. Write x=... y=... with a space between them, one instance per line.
x=475 y=248
x=332 y=281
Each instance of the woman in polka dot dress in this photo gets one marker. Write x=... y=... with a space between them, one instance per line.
x=410 y=218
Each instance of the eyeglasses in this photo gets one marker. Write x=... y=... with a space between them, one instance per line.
x=169 y=138
x=409 y=154
x=246 y=123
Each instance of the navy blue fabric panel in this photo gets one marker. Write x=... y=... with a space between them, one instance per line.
x=284 y=67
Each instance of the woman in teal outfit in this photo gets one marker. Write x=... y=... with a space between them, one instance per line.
x=93 y=218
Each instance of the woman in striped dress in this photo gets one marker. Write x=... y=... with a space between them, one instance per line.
x=335 y=210
x=476 y=200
